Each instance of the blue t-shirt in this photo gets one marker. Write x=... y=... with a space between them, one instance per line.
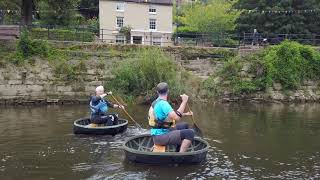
x=161 y=111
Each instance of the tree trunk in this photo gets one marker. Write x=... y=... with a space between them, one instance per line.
x=26 y=12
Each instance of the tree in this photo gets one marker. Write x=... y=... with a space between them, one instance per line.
x=58 y=12
x=126 y=31
x=89 y=8
x=279 y=17
x=213 y=16
x=24 y=6
x=51 y=12
x=26 y=12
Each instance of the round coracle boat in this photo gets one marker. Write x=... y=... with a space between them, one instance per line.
x=84 y=126
x=140 y=149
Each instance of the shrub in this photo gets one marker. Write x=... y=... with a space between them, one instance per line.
x=27 y=47
x=139 y=76
x=289 y=63
x=93 y=25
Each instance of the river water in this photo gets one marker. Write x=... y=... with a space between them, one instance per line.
x=248 y=141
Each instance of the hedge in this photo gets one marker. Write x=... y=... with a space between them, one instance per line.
x=62 y=35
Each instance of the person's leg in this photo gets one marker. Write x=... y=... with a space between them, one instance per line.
x=187 y=136
x=182 y=125
x=161 y=140
x=185 y=145
x=109 y=120
x=115 y=119
x=98 y=120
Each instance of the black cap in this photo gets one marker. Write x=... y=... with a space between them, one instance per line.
x=162 y=88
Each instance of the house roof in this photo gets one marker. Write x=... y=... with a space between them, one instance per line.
x=162 y=2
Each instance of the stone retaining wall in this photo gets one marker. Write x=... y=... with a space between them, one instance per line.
x=38 y=84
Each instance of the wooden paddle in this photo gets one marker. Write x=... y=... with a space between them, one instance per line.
x=196 y=128
x=131 y=118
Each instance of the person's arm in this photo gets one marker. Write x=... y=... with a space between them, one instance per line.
x=109 y=104
x=176 y=115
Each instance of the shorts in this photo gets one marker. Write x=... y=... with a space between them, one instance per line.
x=175 y=136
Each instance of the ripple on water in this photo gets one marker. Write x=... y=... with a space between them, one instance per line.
x=41 y=145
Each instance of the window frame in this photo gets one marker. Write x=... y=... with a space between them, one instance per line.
x=152 y=7
x=151 y=25
x=121 y=5
x=120 y=39
x=117 y=24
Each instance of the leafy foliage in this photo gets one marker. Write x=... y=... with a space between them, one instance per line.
x=27 y=47
x=278 y=23
x=289 y=63
x=213 y=17
x=89 y=8
x=93 y=25
x=126 y=31
x=140 y=76
x=62 y=15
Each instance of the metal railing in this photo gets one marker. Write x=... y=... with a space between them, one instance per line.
x=86 y=34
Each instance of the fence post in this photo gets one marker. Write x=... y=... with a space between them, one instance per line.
x=244 y=39
x=48 y=32
x=101 y=34
x=239 y=37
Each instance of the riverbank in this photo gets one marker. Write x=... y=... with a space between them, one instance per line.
x=64 y=73
x=67 y=73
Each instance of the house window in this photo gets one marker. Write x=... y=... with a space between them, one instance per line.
x=119 y=22
x=153 y=24
x=152 y=10
x=156 y=41
x=120 y=39
x=120 y=7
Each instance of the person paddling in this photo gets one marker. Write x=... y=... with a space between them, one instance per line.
x=99 y=107
x=162 y=118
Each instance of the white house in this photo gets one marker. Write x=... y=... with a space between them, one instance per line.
x=150 y=21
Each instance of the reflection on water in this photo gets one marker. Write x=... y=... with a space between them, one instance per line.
x=247 y=141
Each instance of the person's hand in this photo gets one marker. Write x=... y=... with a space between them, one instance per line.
x=109 y=93
x=184 y=97
x=120 y=106
x=103 y=95
x=190 y=113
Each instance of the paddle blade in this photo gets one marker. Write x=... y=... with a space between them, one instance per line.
x=197 y=130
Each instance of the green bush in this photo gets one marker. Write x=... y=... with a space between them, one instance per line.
x=27 y=48
x=62 y=35
x=289 y=63
x=139 y=76
x=93 y=25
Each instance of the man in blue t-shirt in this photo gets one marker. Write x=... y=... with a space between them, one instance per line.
x=163 y=133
